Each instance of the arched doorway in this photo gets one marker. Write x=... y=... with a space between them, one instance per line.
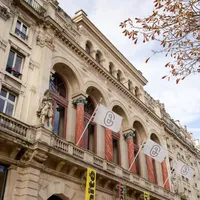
x=54 y=197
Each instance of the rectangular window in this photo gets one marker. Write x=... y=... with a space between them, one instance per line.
x=116 y=151
x=3 y=176
x=7 y=102
x=21 y=30
x=59 y=120
x=89 y=136
x=14 y=63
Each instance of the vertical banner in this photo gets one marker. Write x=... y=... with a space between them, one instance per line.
x=122 y=191
x=90 y=184
x=146 y=196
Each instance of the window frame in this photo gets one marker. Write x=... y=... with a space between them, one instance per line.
x=19 y=32
x=4 y=181
x=8 y=101
x=63 y=101
x=116 y=136
x=12 y=71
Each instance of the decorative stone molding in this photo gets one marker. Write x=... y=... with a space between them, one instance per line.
x=43 y=41
x=79 y=99
x=129 y=133
x=18 y=49
x=3 y=44
x=4 y=13
x=33 y=64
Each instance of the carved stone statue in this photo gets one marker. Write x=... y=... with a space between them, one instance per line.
x=45 y=112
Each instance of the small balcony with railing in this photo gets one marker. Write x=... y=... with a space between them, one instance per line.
x=32 y=6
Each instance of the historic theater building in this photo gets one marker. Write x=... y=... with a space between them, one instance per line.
x=53 y=71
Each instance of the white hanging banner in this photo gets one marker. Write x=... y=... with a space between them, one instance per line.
x=108 y=118
x=184 y=170
x=154 y=150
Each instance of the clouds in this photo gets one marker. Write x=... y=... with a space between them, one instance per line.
x=182 y=100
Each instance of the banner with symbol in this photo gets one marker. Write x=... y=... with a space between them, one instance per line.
x=184 y=170
x=154 y=150
x=108 y=118
x=90 y=184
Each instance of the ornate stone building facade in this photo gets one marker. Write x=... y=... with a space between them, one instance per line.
x=53 y=72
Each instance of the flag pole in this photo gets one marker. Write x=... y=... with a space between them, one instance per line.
x=168 y=177
x=89 y=121
x=136 y=155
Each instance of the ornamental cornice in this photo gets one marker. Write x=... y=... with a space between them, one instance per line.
x=69 y=42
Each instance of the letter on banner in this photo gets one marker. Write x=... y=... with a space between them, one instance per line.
x=146 y=196
x=122 y=191
x=90 y=184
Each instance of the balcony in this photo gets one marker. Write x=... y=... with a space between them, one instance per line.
x=31 y=6
x=13 y=127
x=35 y=5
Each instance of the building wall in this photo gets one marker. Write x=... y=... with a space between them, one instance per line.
x=37 y=166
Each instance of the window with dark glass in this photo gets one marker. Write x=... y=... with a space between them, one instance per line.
x=59 y=94
x=87 y=48
x=14 y=63
x=98 y=58
x=7 y=102
x=90 y=133
x=3 y=176
x=136 y=149
x=116 y=153
x=154 y=170
x=21 y=30
x=118 y=76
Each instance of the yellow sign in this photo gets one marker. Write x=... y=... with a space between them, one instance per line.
x=90 y=184
x=146 y=196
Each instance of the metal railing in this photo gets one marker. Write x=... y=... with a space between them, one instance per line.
x=35 y=5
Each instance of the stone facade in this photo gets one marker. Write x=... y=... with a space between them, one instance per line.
x=53 y=72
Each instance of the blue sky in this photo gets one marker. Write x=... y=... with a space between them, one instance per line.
x=181 y=101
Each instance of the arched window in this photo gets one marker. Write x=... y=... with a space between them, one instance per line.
x=111 y=68
x=119 y=75
x=137 y=92
x=88 y=47
x=130 y=86
x=89 y=138
x=59 y=93
x=98 y=58
x=136 y=149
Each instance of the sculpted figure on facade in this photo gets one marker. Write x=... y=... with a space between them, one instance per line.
x=45 y=112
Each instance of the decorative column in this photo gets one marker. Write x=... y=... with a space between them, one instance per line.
x=108 y=145
x=129 y=137
x=79 y=103
x=150 y=169
x=165 y=175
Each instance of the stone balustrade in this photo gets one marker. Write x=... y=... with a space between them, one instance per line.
x=89 y=157
x=14 y=126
